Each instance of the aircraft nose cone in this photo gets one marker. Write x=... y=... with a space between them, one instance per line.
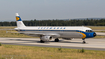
x=94 y=34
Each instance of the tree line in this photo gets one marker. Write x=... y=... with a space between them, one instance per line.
x=74 y=22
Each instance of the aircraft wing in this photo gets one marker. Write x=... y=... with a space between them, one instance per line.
x=55 y=35
x=39 y=34
x=42 y=34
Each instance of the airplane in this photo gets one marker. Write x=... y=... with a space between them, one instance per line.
x=46 y=33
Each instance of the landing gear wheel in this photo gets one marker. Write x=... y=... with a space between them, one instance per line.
x=57 y=40
x=84 y=42
x=41 y=41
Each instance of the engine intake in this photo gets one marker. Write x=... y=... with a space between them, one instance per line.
x=46 y=38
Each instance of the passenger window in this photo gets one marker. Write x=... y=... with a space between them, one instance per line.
x=39 y=28
x=50 y=27
x=42 y=27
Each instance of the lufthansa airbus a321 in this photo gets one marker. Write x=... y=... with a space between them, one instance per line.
x=46 y=33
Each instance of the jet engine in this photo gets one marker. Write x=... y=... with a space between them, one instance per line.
x=46 y=38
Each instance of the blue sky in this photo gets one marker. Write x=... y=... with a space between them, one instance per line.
x=51 y=9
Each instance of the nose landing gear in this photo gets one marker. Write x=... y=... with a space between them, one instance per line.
x=84 y=40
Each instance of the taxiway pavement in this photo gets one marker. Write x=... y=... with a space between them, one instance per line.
x=91 y=44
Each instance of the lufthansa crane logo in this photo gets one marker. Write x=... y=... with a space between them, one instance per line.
x=17 y=18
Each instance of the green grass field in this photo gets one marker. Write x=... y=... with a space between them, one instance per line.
x=97 y=27
x=7 y=27
x=3 y=33
x=29 y=52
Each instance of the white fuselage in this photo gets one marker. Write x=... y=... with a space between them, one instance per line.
x=58 y=31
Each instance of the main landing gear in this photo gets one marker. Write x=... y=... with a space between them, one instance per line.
x=56 y=40
x=42 y=41
x=84 y=40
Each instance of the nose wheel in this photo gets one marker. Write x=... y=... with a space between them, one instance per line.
x=83 y=40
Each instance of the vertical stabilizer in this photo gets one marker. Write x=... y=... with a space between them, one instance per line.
x=19 y=21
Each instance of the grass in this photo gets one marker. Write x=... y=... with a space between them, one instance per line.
x=4 y=34
x=82 y=50
x=97 y=27
x=29 y=52
x=99 y=37
x=7 y=27
x=0 y=44
x=100 y=31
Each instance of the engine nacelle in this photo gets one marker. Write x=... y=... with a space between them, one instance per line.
x=46 y=38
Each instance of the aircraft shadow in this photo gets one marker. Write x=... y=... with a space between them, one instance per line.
x=62 y=41
x=28 y=41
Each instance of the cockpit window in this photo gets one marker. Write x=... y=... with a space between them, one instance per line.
x=89 y=31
